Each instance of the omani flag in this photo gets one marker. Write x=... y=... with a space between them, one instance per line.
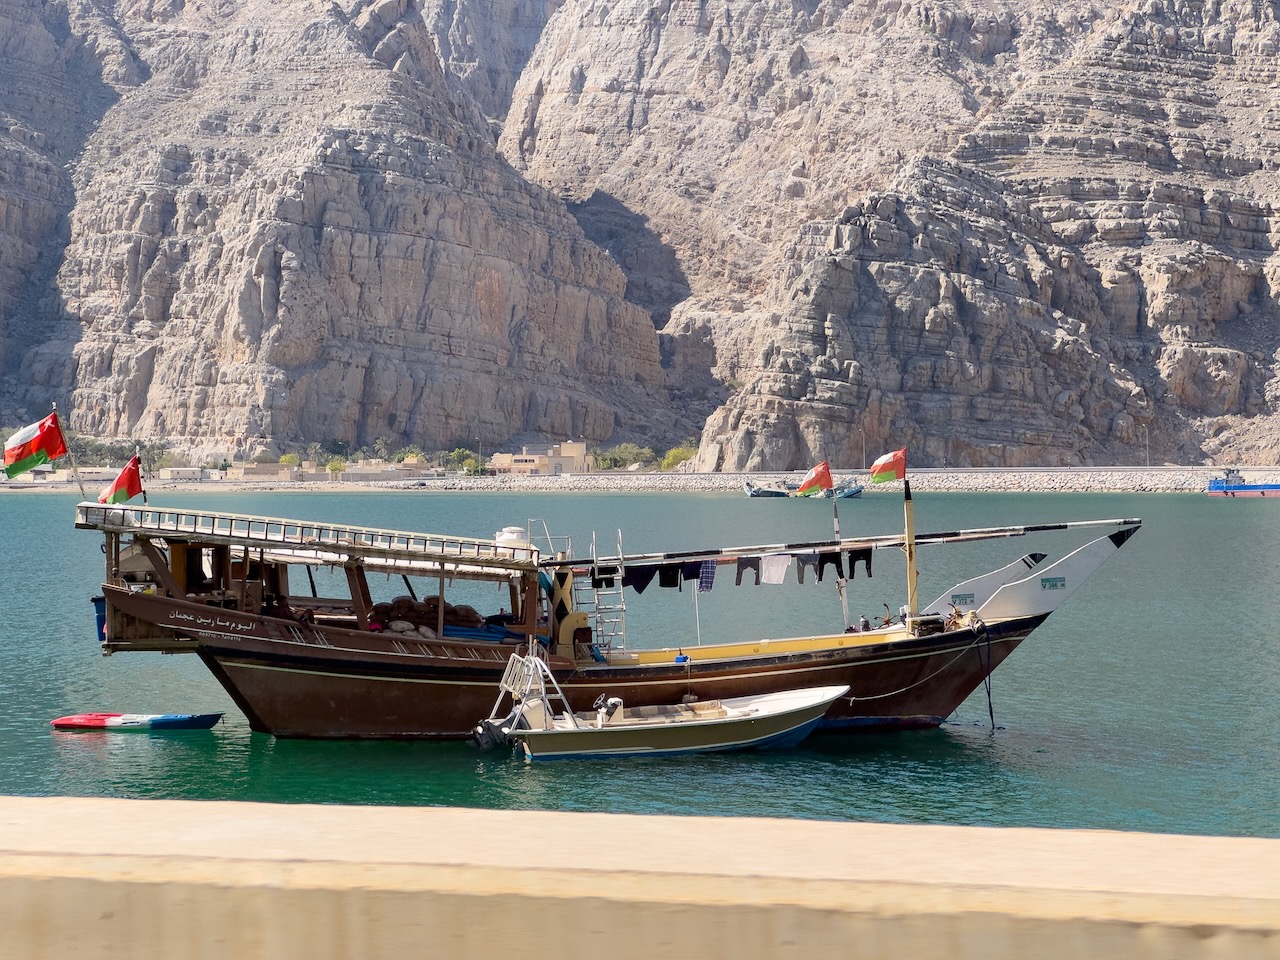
x=892 y=466
x=126 y=486
x=34 y=445
x=819 y=478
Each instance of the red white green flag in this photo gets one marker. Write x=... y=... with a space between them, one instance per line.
x=892 y=466
x=31 y=446
x=819 y=478
x=126 y=486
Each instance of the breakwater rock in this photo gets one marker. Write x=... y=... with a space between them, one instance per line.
x=1099 y=480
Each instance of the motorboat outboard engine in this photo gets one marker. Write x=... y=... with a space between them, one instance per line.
x=496 y=733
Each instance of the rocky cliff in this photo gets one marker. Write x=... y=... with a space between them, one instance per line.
x=293 y=230
x=996 y=233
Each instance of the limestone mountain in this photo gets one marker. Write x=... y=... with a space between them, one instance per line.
x=993 y=232
x=292 y=229
x=1086 y=264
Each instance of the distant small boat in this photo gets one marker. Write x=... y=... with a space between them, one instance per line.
x=768 y=489
x=1232 y=484
x=845 y=490
x=136 y=721
x=542 y=724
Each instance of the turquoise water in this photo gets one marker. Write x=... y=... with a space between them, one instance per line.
x=1150 y=702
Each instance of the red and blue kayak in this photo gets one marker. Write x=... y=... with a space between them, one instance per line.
x=136 y=721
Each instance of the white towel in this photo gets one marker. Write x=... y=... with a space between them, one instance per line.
x=774 y=569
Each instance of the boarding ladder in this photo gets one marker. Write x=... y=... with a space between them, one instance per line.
x=599 y=594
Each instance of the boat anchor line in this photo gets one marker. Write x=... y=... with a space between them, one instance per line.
x=986 y=682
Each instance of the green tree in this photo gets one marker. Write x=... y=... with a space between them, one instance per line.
x=382 y=448
x=676 y=456
x=623 y=455
x=290 y=460
x=462 y=459
x=152 y=455
x=336 y=466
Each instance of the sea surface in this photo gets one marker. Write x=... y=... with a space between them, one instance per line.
x=1149 y=702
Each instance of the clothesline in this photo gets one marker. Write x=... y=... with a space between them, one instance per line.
x=730 y=554
x=767 y=568
x=770 y=563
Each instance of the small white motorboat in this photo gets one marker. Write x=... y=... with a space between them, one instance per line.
x=541 y=722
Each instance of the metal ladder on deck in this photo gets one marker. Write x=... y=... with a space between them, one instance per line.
x=600 y=596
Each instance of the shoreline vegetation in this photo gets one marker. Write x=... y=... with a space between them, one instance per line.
x=936 y=480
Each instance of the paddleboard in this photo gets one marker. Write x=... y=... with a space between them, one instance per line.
x=136 y=721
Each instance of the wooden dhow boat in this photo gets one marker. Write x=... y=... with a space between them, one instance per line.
x=531 y=711
x=243 y=594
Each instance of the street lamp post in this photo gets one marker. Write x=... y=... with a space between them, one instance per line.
x=1146 y=436
x=480 y=454
x=864 y=447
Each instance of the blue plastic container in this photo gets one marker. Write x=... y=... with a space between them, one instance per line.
x=100 y=614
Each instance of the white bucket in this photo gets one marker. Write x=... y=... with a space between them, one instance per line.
x=512 y=537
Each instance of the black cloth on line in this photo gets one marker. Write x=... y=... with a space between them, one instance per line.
x=669 y=575
x=855 y=555
x=748 y=563
x=826 y=559
x=806 y=560
x=638 y=577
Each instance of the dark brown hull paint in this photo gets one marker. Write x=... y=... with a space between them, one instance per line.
x=293 y=680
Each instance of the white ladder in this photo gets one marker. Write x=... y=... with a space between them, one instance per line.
x=605 y=603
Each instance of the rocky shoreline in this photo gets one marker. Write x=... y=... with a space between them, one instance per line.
x=1094 y=480
x=1100 y=480
x=991 y=480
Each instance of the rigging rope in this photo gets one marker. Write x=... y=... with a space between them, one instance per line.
x=981 y=633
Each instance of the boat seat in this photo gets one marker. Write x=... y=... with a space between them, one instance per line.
x=535 y=714
x=658 y=710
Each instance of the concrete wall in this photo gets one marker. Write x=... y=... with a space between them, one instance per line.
x=88 y=879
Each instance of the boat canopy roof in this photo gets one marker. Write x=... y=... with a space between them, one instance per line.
x=315 y=544
x=834 y=546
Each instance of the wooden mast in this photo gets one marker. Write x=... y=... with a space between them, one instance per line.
x=909 y=546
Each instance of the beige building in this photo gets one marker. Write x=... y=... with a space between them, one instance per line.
x=357 y=471
x=562 y=458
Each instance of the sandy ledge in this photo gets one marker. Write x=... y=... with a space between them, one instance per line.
x=1094 y=480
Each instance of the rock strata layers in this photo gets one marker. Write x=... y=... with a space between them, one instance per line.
x=292 y=231
x=51 y=90
x=1057 y=238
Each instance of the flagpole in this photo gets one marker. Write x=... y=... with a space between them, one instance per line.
x=75 y=472
x=697 y=616
x=137 y=452
x=908 y=512
x=840 y=581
